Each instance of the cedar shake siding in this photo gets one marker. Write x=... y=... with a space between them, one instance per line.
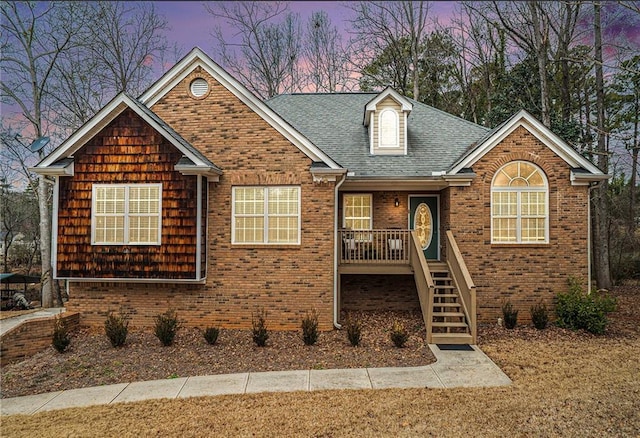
x=285 y=280
x=128 y=150
x=524 y=274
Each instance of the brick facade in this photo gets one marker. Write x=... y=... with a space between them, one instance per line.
x=285 y=280
x=529 y=273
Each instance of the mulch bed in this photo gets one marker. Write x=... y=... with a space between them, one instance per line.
x=90 y=360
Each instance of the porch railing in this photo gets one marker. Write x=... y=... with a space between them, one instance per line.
x=375 y=246
x=463 y=282
x=424 y=283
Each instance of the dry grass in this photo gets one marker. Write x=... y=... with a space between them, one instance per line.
x=563 y=385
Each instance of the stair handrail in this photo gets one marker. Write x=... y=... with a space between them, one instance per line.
x=464 y=283
x=424 y=282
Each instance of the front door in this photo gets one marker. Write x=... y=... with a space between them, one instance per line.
x=423 y=218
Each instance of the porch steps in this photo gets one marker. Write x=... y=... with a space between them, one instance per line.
x=449 y=325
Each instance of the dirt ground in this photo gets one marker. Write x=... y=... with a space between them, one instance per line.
x=564 y=384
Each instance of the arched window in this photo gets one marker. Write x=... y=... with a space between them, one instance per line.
x=519 y=204
x=388 y=128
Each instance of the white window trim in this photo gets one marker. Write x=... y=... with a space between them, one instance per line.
x=266 y=216
x=397 y=136
x=126 y=215
x=519 y=216
x=344 y=217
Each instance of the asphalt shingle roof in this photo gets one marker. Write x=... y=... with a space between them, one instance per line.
x=333 y=122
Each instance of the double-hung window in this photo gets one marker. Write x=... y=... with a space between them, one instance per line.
x=519 y=204
x=129 y=214
x=357 y=214
x=266 y=215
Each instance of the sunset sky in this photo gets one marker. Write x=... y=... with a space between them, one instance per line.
x=191 y=24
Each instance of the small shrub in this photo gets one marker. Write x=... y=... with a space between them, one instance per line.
x=167 y=325
x=539 y=316
x=259 y=328
x=310 y=332
x=510 y=315
x=577 y=310
x=116 y=328
x=61 y=338
x=399 y=335
x=211 y=335
x=354 y=330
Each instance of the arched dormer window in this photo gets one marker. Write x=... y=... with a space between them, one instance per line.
x=519 y=204
x=388 y=126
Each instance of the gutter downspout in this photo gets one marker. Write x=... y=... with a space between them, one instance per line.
x=592 y=186
x=336 y=252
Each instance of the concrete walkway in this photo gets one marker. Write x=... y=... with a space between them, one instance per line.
x=14 y=321
x=452 y=369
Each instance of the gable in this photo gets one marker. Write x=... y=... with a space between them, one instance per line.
x=197 y=59
x=588 y=172
x=60 y=161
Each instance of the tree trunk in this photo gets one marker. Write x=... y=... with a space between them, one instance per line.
x=45 y=241
x=541 y=36
x=600 y=201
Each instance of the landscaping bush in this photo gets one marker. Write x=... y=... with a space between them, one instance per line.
x=116 y=328
x=259 y=328
x=510 y=315
x=577 y=310
x=61 y=338
x=399 y=335
x=354 y=330
x=211 y=335
x=167 y=325
x=310 y=332
x=539 y=316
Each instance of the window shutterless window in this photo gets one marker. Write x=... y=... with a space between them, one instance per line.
x=357 y=211
x=519 y=204
x=266 y=215
x=388 y=134
x=129 y=214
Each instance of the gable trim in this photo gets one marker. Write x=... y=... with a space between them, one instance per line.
x=370 y=107
x=98 y=122
x=197 y=58
x=538 y=130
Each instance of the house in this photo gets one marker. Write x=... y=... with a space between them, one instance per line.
x=198 y=196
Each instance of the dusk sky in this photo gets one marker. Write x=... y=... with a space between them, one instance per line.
x=191 y=24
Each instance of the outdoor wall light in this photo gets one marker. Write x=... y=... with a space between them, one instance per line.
x=396 y=202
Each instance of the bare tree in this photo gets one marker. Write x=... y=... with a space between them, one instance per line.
x=600 y=204
x=265 y=49
x=396 y=28
x=116 y=53
x=34 y=36
x=324 y=54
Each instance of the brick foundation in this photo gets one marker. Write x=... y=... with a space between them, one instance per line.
x=379 y=292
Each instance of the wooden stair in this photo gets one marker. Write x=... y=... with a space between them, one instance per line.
x=449 y=324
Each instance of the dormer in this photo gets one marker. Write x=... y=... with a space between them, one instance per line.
x=386 y=117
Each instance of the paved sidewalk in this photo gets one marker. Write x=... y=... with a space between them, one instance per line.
x=452 y=369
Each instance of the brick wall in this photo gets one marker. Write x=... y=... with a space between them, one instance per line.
x=524 y=274
x=32 y=336
x=378 y=292
x=287 y=281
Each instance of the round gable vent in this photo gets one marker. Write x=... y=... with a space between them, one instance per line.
x=199 y=87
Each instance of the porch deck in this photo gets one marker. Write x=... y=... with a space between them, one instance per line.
x=375 y=251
